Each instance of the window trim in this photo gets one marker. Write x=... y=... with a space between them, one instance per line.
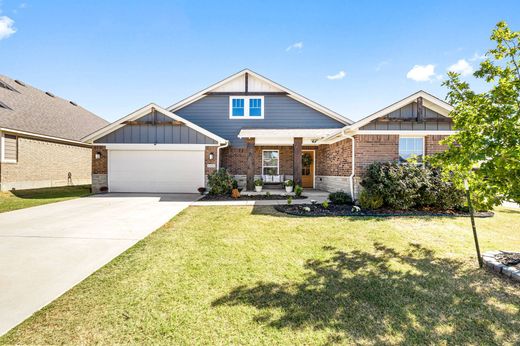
x=415 y=137
x=246 y=107
x=277 y=162
x=2 y=149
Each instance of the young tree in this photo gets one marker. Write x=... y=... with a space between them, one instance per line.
x=488 y=125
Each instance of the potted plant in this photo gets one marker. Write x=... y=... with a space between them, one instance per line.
x=201 y=190
x=289 y=184
x=234 y=191
x=259 y=183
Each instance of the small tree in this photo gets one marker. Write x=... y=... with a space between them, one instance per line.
x=488 y=125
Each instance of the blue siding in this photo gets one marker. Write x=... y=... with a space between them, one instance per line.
x=280 y=112
x=164 y=134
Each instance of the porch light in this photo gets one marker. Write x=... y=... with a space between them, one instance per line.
x=98 y=155
x=211 y=156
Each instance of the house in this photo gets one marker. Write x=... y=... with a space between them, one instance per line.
x=40 y=138
x=257 y=128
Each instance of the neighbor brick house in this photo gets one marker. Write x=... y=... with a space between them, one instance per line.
x=256 y=128
x=40 y=138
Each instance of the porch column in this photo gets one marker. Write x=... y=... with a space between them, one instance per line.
x=297 y=161
x=250 y=148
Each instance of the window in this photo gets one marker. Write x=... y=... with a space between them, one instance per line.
x=270 y=162
x=411 y=147
x=237 y=107
x=9 y=148
x=246 y=107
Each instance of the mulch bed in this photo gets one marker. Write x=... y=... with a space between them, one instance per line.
x=346 y=210
x=510 y=259
x=248 y=198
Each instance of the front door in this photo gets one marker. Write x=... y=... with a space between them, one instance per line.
x=308 y=168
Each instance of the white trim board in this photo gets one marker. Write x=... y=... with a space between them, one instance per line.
x=154 y=147
x=142 y=112
x=195 y=97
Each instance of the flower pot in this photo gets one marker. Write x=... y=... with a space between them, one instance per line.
x=258 y=188
x=288 y=189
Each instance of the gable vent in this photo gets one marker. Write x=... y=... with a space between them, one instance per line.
x=50 y=94
x=73 y=103
x=6 y=86
x=19 y=82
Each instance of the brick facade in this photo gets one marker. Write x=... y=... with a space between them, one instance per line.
x=45 y=164
x=334 y=159
x=432 y=145
x=210 y=165
x=99 y=166
x=374 y=148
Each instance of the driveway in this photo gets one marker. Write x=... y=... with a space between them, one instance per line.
x=46 y=250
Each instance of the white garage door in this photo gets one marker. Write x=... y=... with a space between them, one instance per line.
x=155 y=171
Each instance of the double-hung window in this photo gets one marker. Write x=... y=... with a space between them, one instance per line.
x=246 y=107
x=270 y=162
x=411 y=147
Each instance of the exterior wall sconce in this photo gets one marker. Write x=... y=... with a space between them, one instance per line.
x=211 y=156
x=98 y=155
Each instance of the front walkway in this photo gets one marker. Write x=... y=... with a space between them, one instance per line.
x=312 y=194
x=46 y=250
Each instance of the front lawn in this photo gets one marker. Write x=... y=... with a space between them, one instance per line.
x=19 y=199
x=250 y=275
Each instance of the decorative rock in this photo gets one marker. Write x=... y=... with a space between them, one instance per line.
x=489 y=260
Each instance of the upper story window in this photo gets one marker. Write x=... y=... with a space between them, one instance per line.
x=246 y=107
x=411 y=147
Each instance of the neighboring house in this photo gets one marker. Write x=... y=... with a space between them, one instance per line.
x=257 y=128
x=40 y=138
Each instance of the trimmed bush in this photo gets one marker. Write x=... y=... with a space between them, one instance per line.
x=298 y=190
x=369 y=200
x=340 y=198
x=220 y=182
x=406 y=186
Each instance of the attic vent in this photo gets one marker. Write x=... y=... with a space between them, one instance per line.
x=6 y=86
x=19 y=82
x=3 y=105
x=73 y=103
x=50 y=94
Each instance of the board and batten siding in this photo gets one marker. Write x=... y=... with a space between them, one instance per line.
x=280 y=112
x=10 y=147
x=155 y=134
x=406 y=120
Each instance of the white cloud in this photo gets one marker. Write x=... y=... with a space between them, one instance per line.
x=462 y=67
x=421 y=73
x=340 y=75
x=296 y=45
x=476 y=56
x=6 y=27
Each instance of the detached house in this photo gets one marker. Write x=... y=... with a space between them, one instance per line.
x=40 y=138
x=257 y=128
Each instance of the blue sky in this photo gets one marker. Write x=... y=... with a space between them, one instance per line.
x=353 y=57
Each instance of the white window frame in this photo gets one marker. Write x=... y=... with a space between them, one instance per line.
x=2 y=149
x=277 y=164
x=246 y=107
x=413 y=137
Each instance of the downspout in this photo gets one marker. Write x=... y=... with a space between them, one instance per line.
x=351 y=177
x=218 y=153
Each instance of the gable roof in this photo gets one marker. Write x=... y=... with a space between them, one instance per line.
x=25 y=108
x=142 y=112
x=267 y=85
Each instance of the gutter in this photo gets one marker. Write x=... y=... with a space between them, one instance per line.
x=351 y=177
x=218 y=153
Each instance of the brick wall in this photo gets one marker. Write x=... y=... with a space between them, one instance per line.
x=334 y=159
x=375 y=148
x=432 y=145
x=45 y=164
x=212 y=162
x=99 y=166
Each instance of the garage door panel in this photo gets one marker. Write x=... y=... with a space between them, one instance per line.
x=156 y=171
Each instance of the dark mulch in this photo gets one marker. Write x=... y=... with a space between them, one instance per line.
x=346 y=210
x=248 y=198
x=511 y=259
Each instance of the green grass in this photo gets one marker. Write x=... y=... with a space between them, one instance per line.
x=244 y=275
x=20 y=199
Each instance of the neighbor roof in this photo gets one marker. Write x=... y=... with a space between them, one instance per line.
x=25 y=108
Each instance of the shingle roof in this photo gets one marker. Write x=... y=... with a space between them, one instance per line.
x=25 y=108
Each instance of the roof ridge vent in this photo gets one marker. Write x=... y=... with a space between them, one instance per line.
x=19 y=82
x=6 y=86
x=50 y=94
x=73 y=103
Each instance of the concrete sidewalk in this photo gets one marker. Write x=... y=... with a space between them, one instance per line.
x=46 y=250
x=317 y=195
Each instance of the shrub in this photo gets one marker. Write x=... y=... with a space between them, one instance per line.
x=289 y=200
x=220 y=182
x=259 y=182
x=405 y=186
x=298 y=190
x=234 y=184
x=340 y=198
x=288 y=183
x=368 y=200
x=325 y=204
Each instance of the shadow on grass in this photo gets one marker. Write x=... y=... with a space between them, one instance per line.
x=53 y=192
x=411 y=296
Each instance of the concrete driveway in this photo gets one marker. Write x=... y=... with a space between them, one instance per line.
x=46 y=250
